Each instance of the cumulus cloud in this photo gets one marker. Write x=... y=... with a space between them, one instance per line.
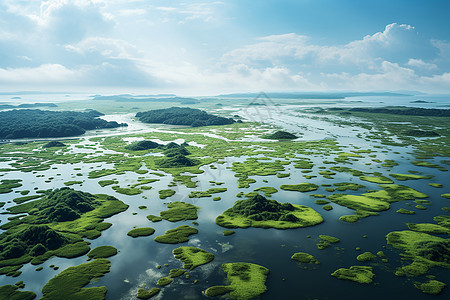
x=418 y=63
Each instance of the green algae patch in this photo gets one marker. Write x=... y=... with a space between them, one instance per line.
x=428 y=228
x=7 y=185
x=395 y=192
x=104 y=183
x=376 y=179
x=447 y=196
x=360 y=274
x=304 y=258
x=176 y=273
x=425 y=250
x=164 y=281
x=69 y=284
x=302 y=187
x=180 y=211
x=406 y=211
x=326 y=241
x=359 y=202
x=436 y=185
x=327 y=207
x=143 y=231
x=427 y=164
x=419 y=206
x=24 y=199
x=102 y=252
x=147 y=294
x=218 y=290
x=268 y=191
x=258 y=211
x=163 y=194
x=228 y=232
x=366 y=256
x=207 y=193
x=72 y=182
x=403 y=177
x=176 y=235
x=321 y=202
x=192 y=257
x=11 y=292
x=432 y=287
x=127 y=191
x=153 y=218
x=343 y=186
x=247 y=281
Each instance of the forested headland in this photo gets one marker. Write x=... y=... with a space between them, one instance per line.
x=182 y=116
x=35 y=123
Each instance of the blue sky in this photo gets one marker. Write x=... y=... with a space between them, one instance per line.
x=209 y=47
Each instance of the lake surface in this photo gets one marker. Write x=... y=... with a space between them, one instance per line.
x=135 y=264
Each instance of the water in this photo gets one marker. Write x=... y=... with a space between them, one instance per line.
x=136 y=262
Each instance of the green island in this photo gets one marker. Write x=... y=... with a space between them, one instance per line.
x=182 y=116
x=432 y=287
x=192 y=257
x=180 y=211
x=304 y=258
x=207 y=193
x=11 y=292
x=143 y=231
x=280 y=135
x=30 y=123
x=69 y=284
x=247 y=281
x=163 y=281
x=147 y=294
x=425 y=251
x=55 y=226
x=177 y=235
x=102 y=252
x=360 y=274
x=302 y=187
x=326 y=241
x=258 y=211
x=366 y=256
x=403 y=177
x=163 y=194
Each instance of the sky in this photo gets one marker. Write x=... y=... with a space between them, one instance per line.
x=213 y=47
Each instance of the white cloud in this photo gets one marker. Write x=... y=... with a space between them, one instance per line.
x=418 y=63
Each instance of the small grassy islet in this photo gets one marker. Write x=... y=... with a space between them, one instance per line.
x=176 y=235
x=192 y=257
x=247 y=281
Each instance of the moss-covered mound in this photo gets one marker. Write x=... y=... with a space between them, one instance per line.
x=69 y=284
x=192 y=257
x=326 y=241
x=180 y=211
x=54 y=144
x=304 y=258
x=258 y=211
x=281 y=135
x=174 y=151
x=142 y=145
x=247 y=281
x=164 y=281
x=361 y=274
x=426 y=251
x=176 y=235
